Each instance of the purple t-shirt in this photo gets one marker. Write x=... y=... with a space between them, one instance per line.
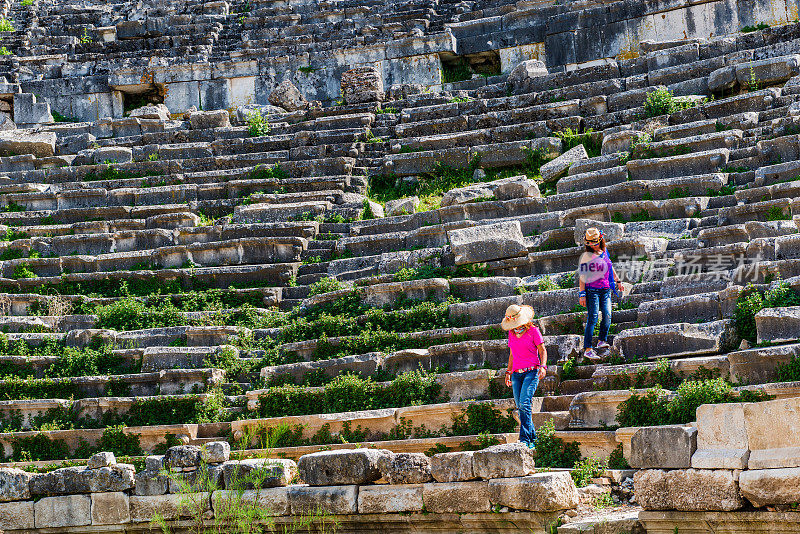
x=603 y=283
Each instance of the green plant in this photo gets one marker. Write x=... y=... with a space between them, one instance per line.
x=325 y=285
x=306 y=70
x=23 y=270
x=482 y=417
x=456 y=71
x=552 y=451
x=585 y=470
x=257 y=124
x=27 y=3
x=85 y=37
x=789 y=371
x=775 y=213
x=6 y=25
x=751 y=301
x=603 y=500
x=752 y=81
x=5 y=51
x=757 y=27
x=571 y=138
x=616 y=460
x=367 y=213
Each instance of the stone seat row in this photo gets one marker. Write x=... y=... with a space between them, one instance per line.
x=267 y=275
x=242 y=251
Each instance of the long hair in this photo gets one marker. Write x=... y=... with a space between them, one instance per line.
x=602 y=245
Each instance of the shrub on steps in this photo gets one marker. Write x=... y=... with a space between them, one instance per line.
x=752 y=300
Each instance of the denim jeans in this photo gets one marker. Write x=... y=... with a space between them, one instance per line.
x=597 y=299
x=524 y=386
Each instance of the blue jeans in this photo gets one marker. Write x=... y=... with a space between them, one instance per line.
x=597 y=299
x=524 y=386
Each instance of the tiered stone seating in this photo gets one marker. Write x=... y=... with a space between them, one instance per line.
x=178 y=275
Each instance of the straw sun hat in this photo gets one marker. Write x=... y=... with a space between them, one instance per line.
x=592 y=236
x=516 y=316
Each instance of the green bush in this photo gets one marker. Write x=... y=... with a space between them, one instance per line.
x=325 y=285
x=132 y=314
x=751 y=301
x=6 y=25
x=616 y=460
x=790 y=371
x=552 y=451
x=350 y=393
x=481 y=418
x=114 y=439
x=654 y=408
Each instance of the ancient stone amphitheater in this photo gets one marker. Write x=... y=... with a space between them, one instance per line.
x=254 y=256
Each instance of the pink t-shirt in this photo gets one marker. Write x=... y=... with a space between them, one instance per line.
x=524 y=349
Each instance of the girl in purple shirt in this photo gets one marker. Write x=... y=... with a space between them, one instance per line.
x=596 y=278
x=527 y=364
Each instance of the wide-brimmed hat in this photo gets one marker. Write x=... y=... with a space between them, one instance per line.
x=592 y=236
x=516 y=316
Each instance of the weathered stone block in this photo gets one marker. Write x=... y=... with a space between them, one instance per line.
x=487 y=242
x=201 y=120
x=288 y=97
x=18 y=142
x=452 y=466
x=501 y=461
x=542 y=492
x=558 y=166
x=688 y=490
x=331 y=499
x=101 y=459
x=456 y=497
x=16 y=515
x=151 y=111
x=405 y=468
x=274 y=501
x=778 y=324
x=721 y=437
x=359 y=466
x=772 y=430
x=182 y=456
x=362 y=84
x=14 y=484
x=267 y=473
x=523 y=74
x=402 y=206
x=388 y=499
x=764 y=487
x=63 y=511
x=215 y=452
x=110 y=508
x=663 y=447
x=170 y=507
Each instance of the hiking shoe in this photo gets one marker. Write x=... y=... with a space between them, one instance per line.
x=532 y=446
x=591 y=355
x=602 y=345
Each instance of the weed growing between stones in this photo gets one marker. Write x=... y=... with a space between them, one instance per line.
x=585 y=470
x=616 y=460
x=757 y=27
x=663 y=102
x=6 y=25
x=257 y=124
x=571 y=138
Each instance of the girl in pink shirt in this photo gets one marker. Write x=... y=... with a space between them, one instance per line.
x=527 y=364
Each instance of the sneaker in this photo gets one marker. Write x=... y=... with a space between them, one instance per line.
x=532 y=446
x=602 y=345
x=591 y=355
